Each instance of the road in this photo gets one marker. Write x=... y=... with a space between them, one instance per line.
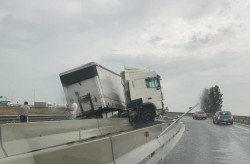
x=206 y=143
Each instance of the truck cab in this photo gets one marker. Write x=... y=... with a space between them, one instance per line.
x=143 y=86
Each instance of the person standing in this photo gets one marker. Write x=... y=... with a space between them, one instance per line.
x=24 y=112
x=72 y=110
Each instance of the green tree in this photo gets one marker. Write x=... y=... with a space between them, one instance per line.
x=211 y=99
x=205 y=103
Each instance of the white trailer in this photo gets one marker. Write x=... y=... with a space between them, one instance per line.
x=96 y=89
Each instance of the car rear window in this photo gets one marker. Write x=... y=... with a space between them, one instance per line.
x=225 y=113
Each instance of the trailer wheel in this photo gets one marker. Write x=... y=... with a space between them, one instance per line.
x=148 y=115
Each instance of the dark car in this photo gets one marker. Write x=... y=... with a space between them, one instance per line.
x=223 y=116
x=199 y=115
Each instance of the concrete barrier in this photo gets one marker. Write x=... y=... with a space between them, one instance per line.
x=138 y=154
x=165 y=125
x=159 y=155
x=113 y=125
x=2 y=155
x=91 y=152
x=128 y=141
x=169 y=134
x=35 y=136
x=135 y=146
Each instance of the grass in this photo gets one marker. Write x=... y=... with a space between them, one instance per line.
x=6 y=110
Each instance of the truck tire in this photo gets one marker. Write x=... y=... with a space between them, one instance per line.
x=148 y=116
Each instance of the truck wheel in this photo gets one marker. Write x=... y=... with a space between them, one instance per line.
x=148 y=115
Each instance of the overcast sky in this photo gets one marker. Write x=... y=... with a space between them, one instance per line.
x=192 y=44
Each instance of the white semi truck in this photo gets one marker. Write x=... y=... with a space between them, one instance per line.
x=100 y=91
x=143 y=94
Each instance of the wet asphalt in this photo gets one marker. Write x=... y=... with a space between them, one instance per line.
x=206 y=143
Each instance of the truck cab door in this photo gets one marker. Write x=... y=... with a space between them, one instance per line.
x=153 y=91
x=139 y=90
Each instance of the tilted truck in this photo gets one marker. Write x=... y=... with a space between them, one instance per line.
x=100 y=91
x=143 y=94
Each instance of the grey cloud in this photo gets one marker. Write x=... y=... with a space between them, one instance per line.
x=155 y=39
x=199 y=40
x=171 y=67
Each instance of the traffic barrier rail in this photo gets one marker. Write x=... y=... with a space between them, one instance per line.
x=105 y=126
x=39 y=135
x=32 y=118
x=133 y=146
x=140 y=145
x=98 y=151
x=126 y=142
x=239 y=119
x=242 y=119
x=102 y=150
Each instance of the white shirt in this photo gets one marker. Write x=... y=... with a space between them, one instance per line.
x=74 y=106
x=24 y=110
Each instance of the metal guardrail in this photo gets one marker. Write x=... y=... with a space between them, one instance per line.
x=239 y=119
x=37 y=118
x=32 y=118
x=164 y=131
x=178 y=113
x=242 y=119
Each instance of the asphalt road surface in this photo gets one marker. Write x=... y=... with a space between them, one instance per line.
x=206 y=143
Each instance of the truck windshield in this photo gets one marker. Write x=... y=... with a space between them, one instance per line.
x=152 y=83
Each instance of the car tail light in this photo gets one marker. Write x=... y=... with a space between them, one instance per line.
x=232 y=117
x=218 y=117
